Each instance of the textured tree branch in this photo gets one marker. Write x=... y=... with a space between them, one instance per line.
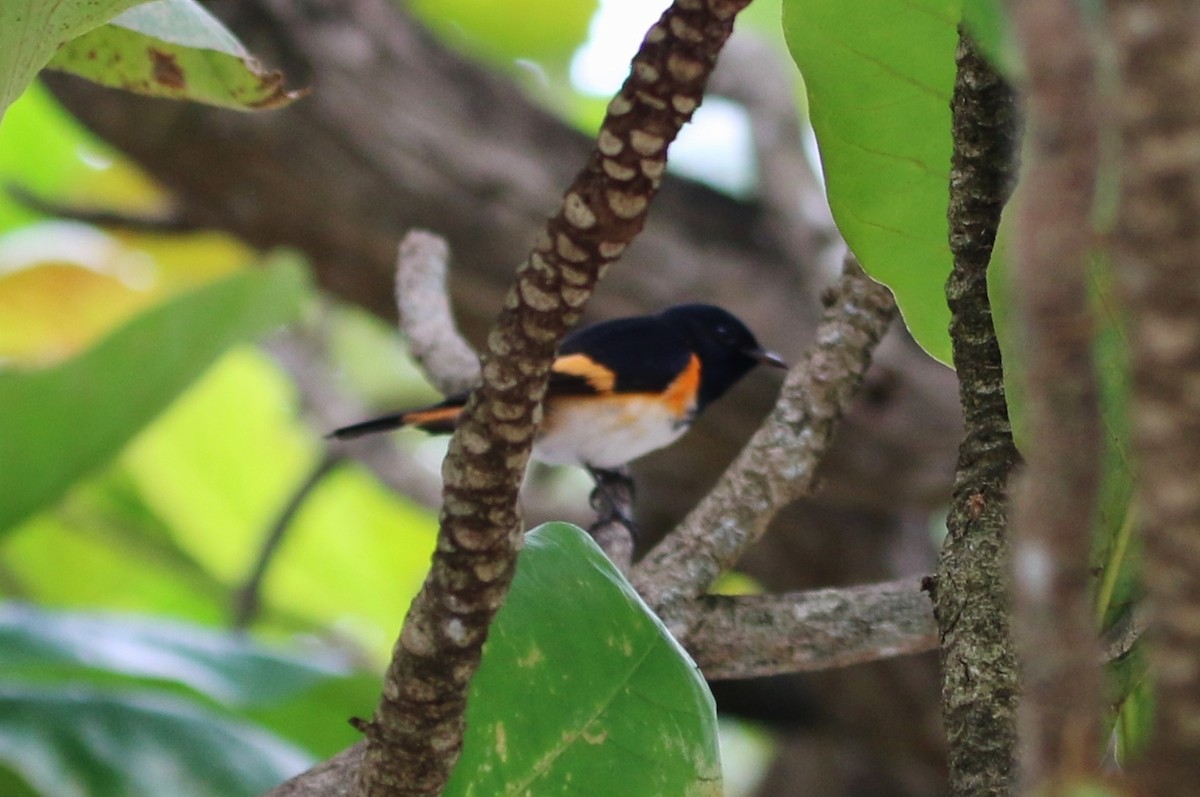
x=779 y=463
x=1055 y=503
x=753 y=635
x=979 y=669
x=426 y=321
x=1157 y=247
x=331 y=778
x=416 y=734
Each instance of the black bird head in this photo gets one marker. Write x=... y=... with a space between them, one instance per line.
x=727 y=349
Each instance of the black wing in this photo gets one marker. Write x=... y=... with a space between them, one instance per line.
x=627 y=355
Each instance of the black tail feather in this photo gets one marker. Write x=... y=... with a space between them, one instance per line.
x=384 y=423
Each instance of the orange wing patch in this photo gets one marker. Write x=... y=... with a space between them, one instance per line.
x=435 y=417
x=600 y=378
x=682 y=393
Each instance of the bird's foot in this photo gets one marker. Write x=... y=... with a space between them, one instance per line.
x=615 y=530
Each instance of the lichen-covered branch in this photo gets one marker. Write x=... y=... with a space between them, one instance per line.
x=423 y=308
x=780 y=462
x=979 y=668
x=746 y=636
x=1055 y=502
x=416 y=734
x=1157 y=242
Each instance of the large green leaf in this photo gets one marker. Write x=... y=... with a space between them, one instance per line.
x=582 y=690
x=85 y=742
x=13 y=785
x=176 y=49
x=879 y=75
x=303 y=696
x=229 y=669
x=31 y=31
x=60 y=423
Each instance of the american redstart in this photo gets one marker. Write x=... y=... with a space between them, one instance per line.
x=620 y=389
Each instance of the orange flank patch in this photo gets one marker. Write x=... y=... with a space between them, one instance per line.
x=681 y=394
x=600 y=378
x=435 y=416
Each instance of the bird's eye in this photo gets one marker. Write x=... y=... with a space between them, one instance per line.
x=725 y=334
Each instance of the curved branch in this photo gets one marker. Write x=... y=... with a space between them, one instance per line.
x=248 y=597
x=779 y=464
x=426 y=321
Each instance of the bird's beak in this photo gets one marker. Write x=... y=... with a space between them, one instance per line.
x=767 y=358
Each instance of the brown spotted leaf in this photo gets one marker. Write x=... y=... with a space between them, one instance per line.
x=176 y=49
x=31 y=30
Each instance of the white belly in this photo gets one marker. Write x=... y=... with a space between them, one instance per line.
x=609 y=433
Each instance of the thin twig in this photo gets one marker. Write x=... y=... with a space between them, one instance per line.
x=171 y=221
x=248 y=597
x=780 y=462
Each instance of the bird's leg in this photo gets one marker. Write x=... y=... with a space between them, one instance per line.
x=613 y=496
x=614 y=530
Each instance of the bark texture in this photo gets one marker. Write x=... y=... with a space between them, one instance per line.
x=1157 y=243
x=1057 y=496
x=751 y=635
x=979 y=668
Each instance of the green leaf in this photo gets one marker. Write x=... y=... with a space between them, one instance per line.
x=176 y=49
x=79 y=742
x=879 y=75
x=578 y=673
x=13 y=785
x=303 y=696
x=60 y=423
x=229 y=669
x=31 y=31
